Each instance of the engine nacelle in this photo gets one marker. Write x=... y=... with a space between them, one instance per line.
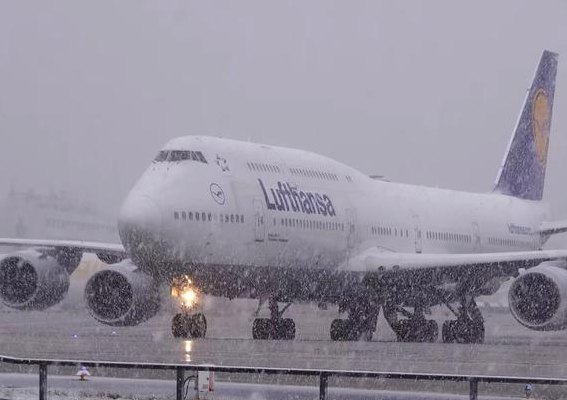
x=32 y=280
x=538 y=298
x=121 y=295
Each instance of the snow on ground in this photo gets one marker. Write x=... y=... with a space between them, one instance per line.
x=23 y=387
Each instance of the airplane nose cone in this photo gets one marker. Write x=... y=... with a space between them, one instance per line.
x=140 y=226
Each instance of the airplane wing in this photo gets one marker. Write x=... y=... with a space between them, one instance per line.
x=552 y=228
x=377 y=260
x=112 y=249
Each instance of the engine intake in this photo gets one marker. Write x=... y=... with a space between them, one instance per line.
x=122 y=295
x=32 y=280
x=538 y=298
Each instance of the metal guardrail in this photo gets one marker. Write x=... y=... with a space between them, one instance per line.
x=323 y=375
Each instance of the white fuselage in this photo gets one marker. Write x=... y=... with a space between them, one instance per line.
x=225 y=202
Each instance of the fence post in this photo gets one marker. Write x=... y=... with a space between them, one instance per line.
x=42 y=381
x=473 y=384
x=180 y=381
x=323 y=385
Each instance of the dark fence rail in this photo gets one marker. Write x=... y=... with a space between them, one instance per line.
x=323 y=375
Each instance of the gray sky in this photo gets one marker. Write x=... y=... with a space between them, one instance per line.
x=424 y=92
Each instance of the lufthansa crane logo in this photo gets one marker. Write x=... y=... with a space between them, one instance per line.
x=217 y=193
x=541 y=119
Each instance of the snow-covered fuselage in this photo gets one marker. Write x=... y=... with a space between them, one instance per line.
x=219 y=203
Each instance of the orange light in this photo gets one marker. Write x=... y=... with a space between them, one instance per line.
x=188 y=297
x=182 y=288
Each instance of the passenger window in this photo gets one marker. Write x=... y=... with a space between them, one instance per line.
x=183 y=215
x=190 y=216
x=197 y=216
x=242 y=218
x=232 y=218
x=210 y=216
x=237 y=218
x=203 y=216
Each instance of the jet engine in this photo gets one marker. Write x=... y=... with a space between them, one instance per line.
x=122 y=295
x=36 y=279
x=538 y=298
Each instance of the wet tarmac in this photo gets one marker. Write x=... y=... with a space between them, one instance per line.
x=68 y=332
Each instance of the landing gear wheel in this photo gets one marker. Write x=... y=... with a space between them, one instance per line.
x=179 y=325
x=463 y=331
x=347 y=330
x=285 y=329
x=339 y=330
x=199 y=326
x=261 y=328
x=410 y=330
x=189 y=326
x=468 y=327
x=266 y=328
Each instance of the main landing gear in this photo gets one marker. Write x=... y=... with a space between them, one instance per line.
x=275 y=327
x=469 y=325
x=360 y=324
x=414 y=328
x=467 y=328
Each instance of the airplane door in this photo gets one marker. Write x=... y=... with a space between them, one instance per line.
x=350 y=228
x=259 y=221
x=417 y=234
x=476 y=237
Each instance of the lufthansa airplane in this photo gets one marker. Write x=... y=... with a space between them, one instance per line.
x=226 y=218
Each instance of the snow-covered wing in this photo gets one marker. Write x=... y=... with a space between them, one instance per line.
x=375 y=260
x=552 y=228
x=85 y=246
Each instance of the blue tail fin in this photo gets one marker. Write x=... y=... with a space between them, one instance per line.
x=522 y=173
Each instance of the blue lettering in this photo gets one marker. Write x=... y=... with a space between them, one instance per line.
x=285 y=197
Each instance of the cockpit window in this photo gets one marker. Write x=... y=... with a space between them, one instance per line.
x=162 y=156
x=180 y=155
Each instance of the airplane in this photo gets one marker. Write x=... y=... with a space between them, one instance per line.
x=220 y=217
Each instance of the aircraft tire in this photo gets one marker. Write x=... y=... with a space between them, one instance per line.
x=198 y=325
x=266 y=329
x=285 y=329
x=463 y=331
x=408 y=330
x=261 y=328
x=346 y=330
x=189 y=326
x=179 y=326
x=448 y=332
x=338 y=330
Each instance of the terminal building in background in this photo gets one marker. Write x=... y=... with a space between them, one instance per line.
x=28 y=214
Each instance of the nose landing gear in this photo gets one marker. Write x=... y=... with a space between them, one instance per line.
x=187 y=324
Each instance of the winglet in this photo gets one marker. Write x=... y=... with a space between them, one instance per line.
x=522 y=173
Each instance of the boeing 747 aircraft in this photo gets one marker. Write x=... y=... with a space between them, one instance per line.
x=221 y=217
